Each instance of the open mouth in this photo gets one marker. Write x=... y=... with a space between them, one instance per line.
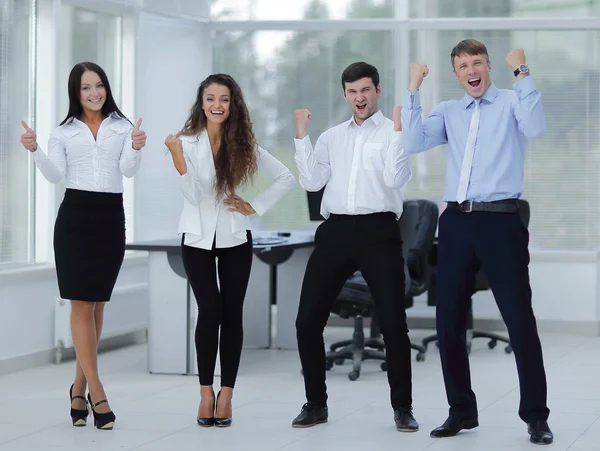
x=217 y=113
x=95 y=100
x=474 y=82
x=361 y=107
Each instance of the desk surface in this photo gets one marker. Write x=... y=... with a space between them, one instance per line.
x=263 y=241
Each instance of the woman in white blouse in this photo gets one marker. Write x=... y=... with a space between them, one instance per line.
x=215 y=154
x=91 y=149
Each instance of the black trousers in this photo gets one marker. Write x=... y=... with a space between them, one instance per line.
x=344 y=244
x=219 y=306
x=498 y=243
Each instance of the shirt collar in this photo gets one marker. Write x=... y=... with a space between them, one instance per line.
x=376 y=119
x=489 y=96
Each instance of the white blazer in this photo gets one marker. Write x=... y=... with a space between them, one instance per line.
x=203 y=215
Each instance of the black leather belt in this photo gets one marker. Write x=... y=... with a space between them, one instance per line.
x=498 y=206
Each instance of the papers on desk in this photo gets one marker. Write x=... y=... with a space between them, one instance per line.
x=268 y=240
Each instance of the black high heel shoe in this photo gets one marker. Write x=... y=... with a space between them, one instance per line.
x=208 y=422
x=103 y=421
x=78 y=416
x=221 y=422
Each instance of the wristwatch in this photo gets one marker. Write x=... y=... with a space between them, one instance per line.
x=522 y=69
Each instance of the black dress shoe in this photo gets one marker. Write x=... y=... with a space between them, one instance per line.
x=540 y=433
x=311 y=415
x=405 y=421
x=453 y=425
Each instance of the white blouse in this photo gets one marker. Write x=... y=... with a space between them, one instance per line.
x=205 y=219
x=86 y=163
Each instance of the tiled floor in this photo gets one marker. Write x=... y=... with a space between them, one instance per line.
x=157 y=413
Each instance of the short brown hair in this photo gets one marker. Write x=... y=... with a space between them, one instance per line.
x=356 y=71
x=470 y=47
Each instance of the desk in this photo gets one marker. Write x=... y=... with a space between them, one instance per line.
x=276 y=278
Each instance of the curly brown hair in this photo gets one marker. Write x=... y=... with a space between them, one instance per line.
x=235 y=162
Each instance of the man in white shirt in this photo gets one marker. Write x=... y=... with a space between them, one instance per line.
x=363 y=167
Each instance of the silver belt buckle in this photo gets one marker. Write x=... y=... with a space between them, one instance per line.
x=466 y=206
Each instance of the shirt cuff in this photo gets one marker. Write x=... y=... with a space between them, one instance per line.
x=301 y=144
x=524 y=87
x=397 y=138
x=412 y=100
x=258 y=207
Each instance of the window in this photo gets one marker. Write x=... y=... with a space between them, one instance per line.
x=300 y=9
x=283 y=71
x=15 y=194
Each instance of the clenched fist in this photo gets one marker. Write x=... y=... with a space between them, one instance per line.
x=515 y=58
x=174 y=145
x=28 y=139
x=302 y=118
x=417 y=72
x=138 y=137
x=397 y=118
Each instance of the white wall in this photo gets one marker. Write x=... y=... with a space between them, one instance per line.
x=27 y=299
x=173 y=57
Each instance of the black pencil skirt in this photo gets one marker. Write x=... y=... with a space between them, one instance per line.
x=89 y=244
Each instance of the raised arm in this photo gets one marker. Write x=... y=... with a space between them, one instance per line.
x=313 y=164
x=528 y=108
x=189 y=183
x=131 y=157
x=419 y=135
x=397 y=169
x=52 y=166
x=283 y=182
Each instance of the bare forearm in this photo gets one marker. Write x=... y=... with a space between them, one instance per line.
x=179 y=162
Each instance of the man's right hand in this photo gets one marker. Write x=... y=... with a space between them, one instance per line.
x=417 y=72
x=302 y=118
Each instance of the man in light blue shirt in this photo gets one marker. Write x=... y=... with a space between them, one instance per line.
x=486 y=133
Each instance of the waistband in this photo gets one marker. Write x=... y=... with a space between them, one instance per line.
x=497 y=206
x=382 y=215
x=81 y=197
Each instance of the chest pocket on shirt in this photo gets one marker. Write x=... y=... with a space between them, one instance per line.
x=115 y=134
x=372 y=156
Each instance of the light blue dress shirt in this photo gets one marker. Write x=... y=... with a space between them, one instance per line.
x=508 y=118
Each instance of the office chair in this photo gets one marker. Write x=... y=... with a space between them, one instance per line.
x=481 y=283
x=417 y=225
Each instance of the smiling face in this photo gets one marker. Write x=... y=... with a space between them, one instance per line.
x=363 y=97
x=215 y=103
x=473 y=73
x=92 y=93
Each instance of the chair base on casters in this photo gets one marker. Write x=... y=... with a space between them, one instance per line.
x=471 y=334
x=355 y=350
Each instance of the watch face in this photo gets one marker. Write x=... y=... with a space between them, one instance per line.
x=523 y=69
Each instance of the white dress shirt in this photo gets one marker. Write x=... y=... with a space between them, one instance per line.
x=86 y=163
x=204 y=218
x=364 y=167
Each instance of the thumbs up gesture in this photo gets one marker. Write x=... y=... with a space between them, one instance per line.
x=138 y=137
x=28 y=139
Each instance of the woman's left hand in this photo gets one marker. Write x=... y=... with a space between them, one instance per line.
x=239 y=205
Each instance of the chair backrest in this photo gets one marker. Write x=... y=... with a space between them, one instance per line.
x=418 y=224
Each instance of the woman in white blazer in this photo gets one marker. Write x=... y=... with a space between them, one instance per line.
x=215 y=154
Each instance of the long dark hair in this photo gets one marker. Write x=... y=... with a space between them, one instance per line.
x=235 y=163
x=75 y=108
